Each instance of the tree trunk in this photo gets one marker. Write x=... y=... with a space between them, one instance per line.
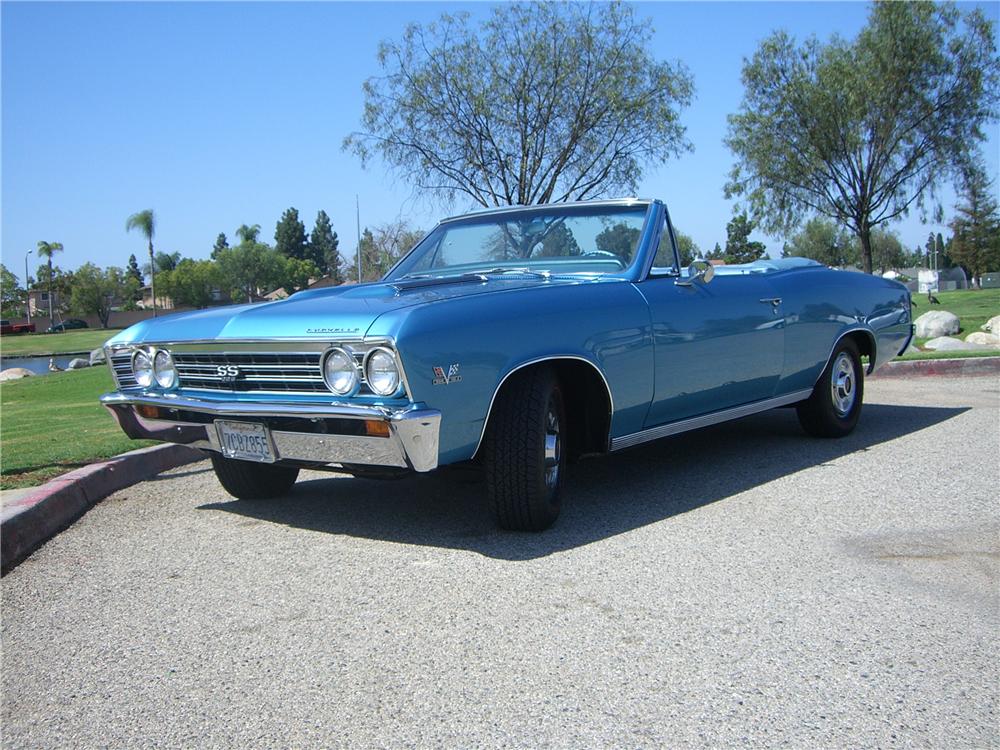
x=152 y=276
x=866 y=249
x=51 y=321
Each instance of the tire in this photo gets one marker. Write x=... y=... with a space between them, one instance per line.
x=525 y=456
x=833 y=409
x=249 y=480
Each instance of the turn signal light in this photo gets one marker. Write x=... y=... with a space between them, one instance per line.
x=149 y=412
x=376 y=428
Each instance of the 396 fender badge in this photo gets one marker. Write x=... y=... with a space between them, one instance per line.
x=452 y=377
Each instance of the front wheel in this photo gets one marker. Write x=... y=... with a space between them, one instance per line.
x=834 y=407
x=249 y=480
x=525 y=456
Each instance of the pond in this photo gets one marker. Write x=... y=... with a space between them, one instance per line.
x=38 y=365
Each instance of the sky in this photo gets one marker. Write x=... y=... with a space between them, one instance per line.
x=220 y=114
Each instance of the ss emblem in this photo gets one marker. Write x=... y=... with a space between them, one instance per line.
x=228 y=373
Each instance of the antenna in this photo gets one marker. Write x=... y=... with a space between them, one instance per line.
x=357 y=206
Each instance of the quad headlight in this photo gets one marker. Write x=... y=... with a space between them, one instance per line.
x=340 y=372
x=382 y=372
x=142 y=368
x=163 y=369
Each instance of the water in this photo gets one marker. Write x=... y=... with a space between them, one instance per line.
x=38 y=365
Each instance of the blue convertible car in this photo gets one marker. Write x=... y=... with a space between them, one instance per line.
x=518 y=338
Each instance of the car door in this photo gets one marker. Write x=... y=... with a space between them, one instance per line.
x=717 y=345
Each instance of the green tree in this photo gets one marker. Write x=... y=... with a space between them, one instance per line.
x=192 y=283
x=145 y=222
x=248 y=234
x=975 y=243
x=687 y=248
x=133 y=269
x=166 y=261
x=824 y=241
x=290 y=235
x=542 y=102
x=860 y=130
x=221 y=243
x=297 y=273
x=558 y=241
x=96 y=291
x=887 y=251
x=12 y=297
x=47 y=250
x=322 y=251
x=739 y=248
x=250 y=269
x=717 y=253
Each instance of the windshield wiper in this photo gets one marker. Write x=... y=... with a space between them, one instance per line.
x=528 y=271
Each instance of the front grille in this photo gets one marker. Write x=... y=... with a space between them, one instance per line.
x=296 y=372
x=121 y=366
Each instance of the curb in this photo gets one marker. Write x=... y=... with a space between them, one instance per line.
x=927 y=367
x=29 y=522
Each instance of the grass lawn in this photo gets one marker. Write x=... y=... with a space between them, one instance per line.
x=972 y=306
x=52 y=424
x=79 y=340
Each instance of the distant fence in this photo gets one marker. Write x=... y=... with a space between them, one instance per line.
x=117 y=319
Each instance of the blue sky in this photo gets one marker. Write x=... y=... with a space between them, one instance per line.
x=219 y=114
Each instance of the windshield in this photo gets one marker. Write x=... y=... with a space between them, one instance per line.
x=573 y=239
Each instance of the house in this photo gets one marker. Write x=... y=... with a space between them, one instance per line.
x=162 y=302
x=38 y=302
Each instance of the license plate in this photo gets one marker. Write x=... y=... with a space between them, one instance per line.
x=248 y=441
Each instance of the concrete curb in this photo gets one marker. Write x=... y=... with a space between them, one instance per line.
x=30 y=521
x=925 y=367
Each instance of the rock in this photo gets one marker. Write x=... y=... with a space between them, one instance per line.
x=992 y=325
x=983 y=339
x=78 y=363
x=936 y=323
x=97 y=356
x=15 y=373
x=948 y=344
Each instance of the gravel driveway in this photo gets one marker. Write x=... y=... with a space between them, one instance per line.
x=743 y=585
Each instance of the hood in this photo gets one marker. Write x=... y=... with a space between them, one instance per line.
x=330 y=312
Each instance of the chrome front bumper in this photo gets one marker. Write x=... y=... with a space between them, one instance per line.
x=412 y=441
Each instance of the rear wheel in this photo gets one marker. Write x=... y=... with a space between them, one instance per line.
x=834 y=407
x=249 y=480
x=524 y=451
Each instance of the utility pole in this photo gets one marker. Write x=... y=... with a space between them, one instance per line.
x=357 y=206
x=27 y=297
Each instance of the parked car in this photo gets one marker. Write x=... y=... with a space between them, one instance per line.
x=8 y=329
x=67 y=325
x=515 y=338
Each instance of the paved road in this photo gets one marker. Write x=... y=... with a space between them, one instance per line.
x=744 y=585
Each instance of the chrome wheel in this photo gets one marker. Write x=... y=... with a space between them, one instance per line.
x=843 y=384
x=553 y=447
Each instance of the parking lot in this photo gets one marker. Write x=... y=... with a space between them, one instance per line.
x=742 y=585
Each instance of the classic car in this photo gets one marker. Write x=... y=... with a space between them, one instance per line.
x=518 y=339
x=67 y=325
x=12 y=329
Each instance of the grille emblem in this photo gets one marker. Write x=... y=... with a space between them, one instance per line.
x=228 y=373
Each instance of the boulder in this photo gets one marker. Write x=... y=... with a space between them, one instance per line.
x=992 y=325
x=78 y=364
x=97 y=356
x=983 y=339
x=15 y=373
x=936 y=323
x=948 y=344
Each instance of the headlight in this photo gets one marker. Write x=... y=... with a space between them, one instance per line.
x=381 y=372
x=340 y=373
x=164 y=370
x=142 y=369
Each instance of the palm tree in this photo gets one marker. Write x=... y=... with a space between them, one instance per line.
x=248 y=234
x=146 y=223
x=47 y=250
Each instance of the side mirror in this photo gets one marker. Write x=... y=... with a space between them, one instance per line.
x=699 y=270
